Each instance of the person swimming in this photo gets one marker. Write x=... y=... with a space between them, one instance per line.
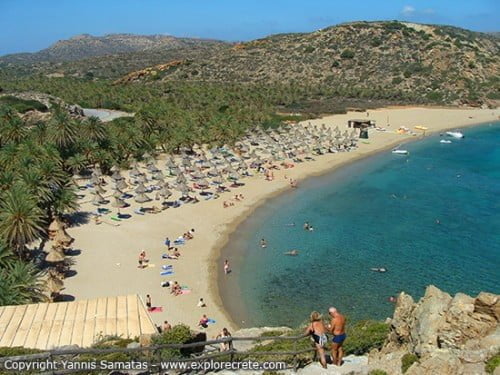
x=379 y=269
x=292 y=252
x=263 y=243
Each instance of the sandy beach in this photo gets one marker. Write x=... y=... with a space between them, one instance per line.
x=107 y=264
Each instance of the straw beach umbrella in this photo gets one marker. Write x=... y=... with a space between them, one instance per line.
x=142 y=198
x=118 y=203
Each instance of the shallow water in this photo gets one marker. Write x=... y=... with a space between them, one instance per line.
x=432 y=217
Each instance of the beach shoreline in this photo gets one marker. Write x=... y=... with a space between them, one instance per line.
x=200 y=266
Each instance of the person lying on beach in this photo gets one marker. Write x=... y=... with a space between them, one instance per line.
x=203 y=321
x=292 y=252
x=97 y=220
x=176 y=289
x=176 y=253
x=201 y=303
x=236 y=197
x=166 y=284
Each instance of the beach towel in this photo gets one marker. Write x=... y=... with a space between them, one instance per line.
x=155 y=309
x=185 y=291
x=166 y=256
x=115 y=218
x=211 y=321
x=166 y=273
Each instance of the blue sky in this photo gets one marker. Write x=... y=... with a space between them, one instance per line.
x=30 y=25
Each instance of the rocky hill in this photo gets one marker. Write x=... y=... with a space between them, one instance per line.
x=106 y=56
x=434 y=63
x=84 y=46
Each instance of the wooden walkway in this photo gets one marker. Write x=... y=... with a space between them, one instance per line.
x=51 y=325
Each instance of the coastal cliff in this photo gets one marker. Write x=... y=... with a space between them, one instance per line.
x=443 y=334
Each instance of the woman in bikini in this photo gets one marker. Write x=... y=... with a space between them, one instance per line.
x=317 y=331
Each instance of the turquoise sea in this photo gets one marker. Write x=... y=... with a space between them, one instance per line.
x=432 y=217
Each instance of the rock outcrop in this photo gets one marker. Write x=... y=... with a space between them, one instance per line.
x=448 y=335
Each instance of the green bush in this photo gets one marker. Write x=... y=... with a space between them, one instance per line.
x=16 y=350
x=21 y=105
x=364 y=336
x=407 y=360
x=347 y=54
x=492 y=363
x=377 y=372
x=179 y=334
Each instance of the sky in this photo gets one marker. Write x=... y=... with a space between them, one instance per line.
x=31 y=25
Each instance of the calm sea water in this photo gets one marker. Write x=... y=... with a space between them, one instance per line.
x=430 y=218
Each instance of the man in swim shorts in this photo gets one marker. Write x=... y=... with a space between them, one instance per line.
x=337 y=327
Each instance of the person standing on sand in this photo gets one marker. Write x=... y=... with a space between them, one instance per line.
x=148 y=302
x=226 y=267
x=166 y=326
x=337 y=327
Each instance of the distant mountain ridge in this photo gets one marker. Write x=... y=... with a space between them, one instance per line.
x=85 y=46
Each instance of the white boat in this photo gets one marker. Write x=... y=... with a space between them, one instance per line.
x=455 y=134
x=400 y=152
x=444 y=141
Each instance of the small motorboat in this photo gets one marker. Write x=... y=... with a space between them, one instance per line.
x=400 y=152
x=445 y=141
x=455 y=134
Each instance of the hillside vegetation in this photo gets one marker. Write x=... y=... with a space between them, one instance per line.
x=391 y=60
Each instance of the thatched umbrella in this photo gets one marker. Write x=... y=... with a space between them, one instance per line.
x=142 y=198
x=94 y=180
x=122 y=185
x=54 y=257
x=63 y=238
x=175 y=171
x=158 y=175
x=203 y=184
x=142 y=178
x=165 y=192
x=152 y=167
x=116 y=176
x=134 y=172
x=170 y=163
x=54 y=227
x=140 y=189
x=118 y=193
x=54 y=284
x=181 y=179
x=99 y=190
x=98 y=199
x=118 y=203
x=197 y=175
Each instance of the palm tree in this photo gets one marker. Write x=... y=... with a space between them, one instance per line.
x=62 y=130
x=94 y=129
x=21 y=283
x=20 y=218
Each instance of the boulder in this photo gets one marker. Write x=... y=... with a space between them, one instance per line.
x=428 y=317
x=488 y=304
x=440 y=362
x=463 y=323
x=402 y=320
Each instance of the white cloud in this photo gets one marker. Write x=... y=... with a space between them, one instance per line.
x=408 y=10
